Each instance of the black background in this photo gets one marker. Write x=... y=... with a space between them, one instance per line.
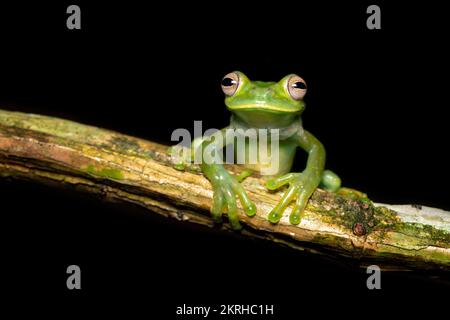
x=377 y=99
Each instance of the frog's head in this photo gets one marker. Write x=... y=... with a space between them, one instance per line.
x=264 y=104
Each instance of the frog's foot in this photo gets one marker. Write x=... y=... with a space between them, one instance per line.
x=301 y=187
x=225 y=190
x=330 y=181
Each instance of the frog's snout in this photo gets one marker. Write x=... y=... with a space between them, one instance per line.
x=262 y=93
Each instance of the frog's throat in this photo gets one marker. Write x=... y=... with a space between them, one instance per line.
x=294 y=128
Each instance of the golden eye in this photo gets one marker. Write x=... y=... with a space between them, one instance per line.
x=230 y=83
x=296 y=87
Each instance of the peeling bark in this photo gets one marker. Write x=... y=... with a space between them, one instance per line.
x=125 y=168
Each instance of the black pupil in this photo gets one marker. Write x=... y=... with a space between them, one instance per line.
x=299 y=85
x=228 y=82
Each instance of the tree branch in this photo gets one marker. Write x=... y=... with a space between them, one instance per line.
x=120 y=167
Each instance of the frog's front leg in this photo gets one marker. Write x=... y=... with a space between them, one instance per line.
x=225 y=187
x=301 y=185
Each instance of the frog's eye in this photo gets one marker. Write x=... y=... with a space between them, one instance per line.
x=296 y=87
x=230 y=83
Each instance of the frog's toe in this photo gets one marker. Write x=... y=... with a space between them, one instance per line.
x=243 y=175
x=234 y=222
x=296 y=215
x=250 y=210
x=230 y=199
x=248 y=206
x=275 y=215
x=277 y=212
x=218 y=205
x=276 y=183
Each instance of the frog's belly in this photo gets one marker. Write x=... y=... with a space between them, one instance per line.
x=268 y=163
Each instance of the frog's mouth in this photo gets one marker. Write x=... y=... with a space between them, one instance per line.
x=264 y=107
x=264 y=116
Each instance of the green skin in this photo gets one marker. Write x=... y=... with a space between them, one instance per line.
x=257 y=104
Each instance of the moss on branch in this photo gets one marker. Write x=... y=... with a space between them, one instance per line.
x=125 y=168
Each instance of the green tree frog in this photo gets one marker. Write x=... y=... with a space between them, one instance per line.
x=269 y=105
